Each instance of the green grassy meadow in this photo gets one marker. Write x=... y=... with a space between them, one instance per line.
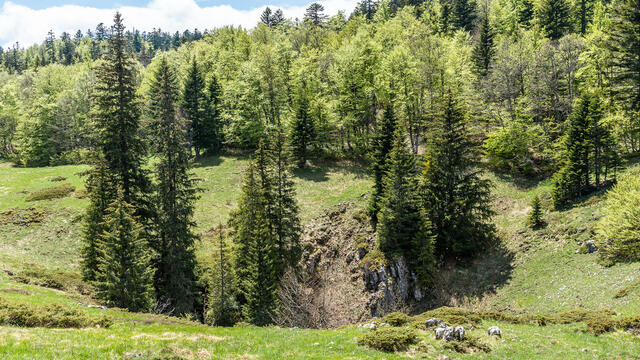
x=543 y=272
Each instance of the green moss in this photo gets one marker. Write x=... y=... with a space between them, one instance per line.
x=55 y=192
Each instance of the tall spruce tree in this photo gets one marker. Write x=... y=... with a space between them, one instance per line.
x=222 y=310
x=101 y=194
x=175 y=197
x=214 y=134
x=194 y=103
x=286 y=219
x=624 y=43
x=403 y=227
x=456 y=198
x=116 y=114
x=255 y=251
x=125 y=274
x=464 y=14
x=484 y=49
x=382 y=144
x=303 y=130
x=554 y=18
x=589 y=150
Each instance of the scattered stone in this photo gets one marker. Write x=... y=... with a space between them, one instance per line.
x=494 y=331
x=449 y=333
x=591 y=247
x=433 y=322
x=9 y=272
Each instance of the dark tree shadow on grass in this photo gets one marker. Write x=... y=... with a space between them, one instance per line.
x=317 y=171
x=469 y=279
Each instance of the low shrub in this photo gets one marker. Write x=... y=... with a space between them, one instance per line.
x=630 y=323
x=469 y=344
x=55 y=192
x=580 y=315
x=58 y=179
x=600 y=325
x=396 y=319
x=53 y=279
x=23 y=217
x=50 y=316
x=374 y=259
x=389 y=339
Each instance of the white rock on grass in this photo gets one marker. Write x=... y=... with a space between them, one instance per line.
x=494 y=331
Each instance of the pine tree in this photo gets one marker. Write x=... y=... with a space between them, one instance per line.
x=214 y=133
x=463 y=12
x=222 y=305
x=286 y=219
x=382 y=144
x=265 y=18
x=101 y=194
x=535 y=220
x=484 y=49
x=315 y=15
x=50 y=47
x=624 y=43
x=254 y=249
x=589 y=149
x=554 y=18
x=303 y=130
x=116 y=114
x=125 y=274
x=366 y=8
x=403 y=227
x=175 y=197
x=194 y=104
x=525 y=12
x=456 y=198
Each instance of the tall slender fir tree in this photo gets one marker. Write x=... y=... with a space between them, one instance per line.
x=176 y=194
x=194 y=103
x=382 y=144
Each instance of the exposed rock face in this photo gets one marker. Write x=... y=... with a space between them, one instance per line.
x=591 y=247
x=338 y=285
x=391 y=286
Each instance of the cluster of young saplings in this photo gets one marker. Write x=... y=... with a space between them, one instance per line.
x=402 y=329
x=49 y=316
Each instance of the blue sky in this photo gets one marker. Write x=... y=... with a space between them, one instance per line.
x=28 y=21
x=101 y=4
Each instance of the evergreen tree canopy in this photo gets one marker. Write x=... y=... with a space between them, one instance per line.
x=403 y=226
x=456 y=198
x=116 y=113
x=195 y=108
x=125 y=274
x=382 y=144
x=554 y=18
x=175 y=197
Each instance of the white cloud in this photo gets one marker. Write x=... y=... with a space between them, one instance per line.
x=29 y=26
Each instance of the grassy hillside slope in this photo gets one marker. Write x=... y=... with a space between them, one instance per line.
x=532 y=272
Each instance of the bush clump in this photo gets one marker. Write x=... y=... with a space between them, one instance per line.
x=49 y=316
x=389 y=339
x=55 y=192
x=618 y=230
x=396 y=319
x=468 y=345
x=600 y=325
x=374 y=259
